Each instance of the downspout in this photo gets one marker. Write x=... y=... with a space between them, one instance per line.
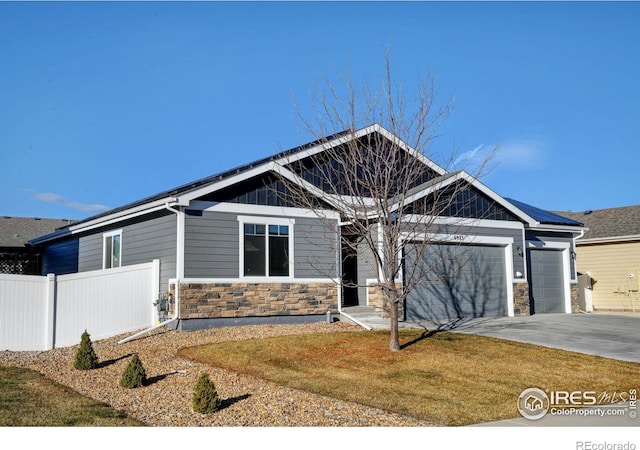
x=177 y=291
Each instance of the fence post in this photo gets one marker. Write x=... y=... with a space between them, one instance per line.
x=155 y=289
x=49 y=325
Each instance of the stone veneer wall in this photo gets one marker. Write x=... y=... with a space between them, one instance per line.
x=374 y=293
x=233 y=300
x=575 y=299
x=521 y=301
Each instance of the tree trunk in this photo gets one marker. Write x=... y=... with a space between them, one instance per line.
x=394 y=340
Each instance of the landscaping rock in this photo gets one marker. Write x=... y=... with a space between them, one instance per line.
x=165 y=400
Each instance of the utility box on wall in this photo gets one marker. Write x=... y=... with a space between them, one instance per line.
x=632 y=280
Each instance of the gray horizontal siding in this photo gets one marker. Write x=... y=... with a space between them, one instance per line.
x=148 y=238
x=212 y=246
x=315 y=249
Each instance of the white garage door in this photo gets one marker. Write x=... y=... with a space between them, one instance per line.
x=457 y=281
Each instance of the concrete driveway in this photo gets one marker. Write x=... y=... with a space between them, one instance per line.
x=610 y=336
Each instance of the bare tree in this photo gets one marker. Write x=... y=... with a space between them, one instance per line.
x=387 y=192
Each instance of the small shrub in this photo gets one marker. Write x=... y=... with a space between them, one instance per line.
x=86 y=357
x=205 y=398
x=134 y=375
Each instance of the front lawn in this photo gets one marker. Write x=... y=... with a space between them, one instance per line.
x=29 y=399
x=444 y=378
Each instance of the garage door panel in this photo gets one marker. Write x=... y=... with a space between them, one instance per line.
x=460 y=281
x=547 y=281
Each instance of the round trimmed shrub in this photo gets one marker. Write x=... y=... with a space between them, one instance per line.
x=205 y=398
x=134 y=375
x=86 y=357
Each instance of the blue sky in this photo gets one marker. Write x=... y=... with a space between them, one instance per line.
x=105 y=103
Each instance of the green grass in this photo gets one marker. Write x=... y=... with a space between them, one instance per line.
x=444 y=378
x=29 y=399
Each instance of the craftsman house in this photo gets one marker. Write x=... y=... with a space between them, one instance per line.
x=232 y=250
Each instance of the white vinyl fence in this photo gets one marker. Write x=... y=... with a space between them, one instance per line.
x=43 y=312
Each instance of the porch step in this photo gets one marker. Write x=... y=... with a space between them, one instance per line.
x=359 y=309
x=365 y=315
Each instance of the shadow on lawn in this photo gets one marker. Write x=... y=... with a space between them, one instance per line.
x=441 y=328
x=425 y=335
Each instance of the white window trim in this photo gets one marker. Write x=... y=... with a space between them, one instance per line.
x=498 y=241
x=105 y=236
x=565 y=248
x=266 y=221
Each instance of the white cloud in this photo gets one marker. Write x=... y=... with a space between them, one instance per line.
x=521 y=154
x=471 y=156
x=60 y=200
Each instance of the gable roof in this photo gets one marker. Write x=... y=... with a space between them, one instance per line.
x=543 y=216
x=17 y=231
x=609 y=224
x=183 y=195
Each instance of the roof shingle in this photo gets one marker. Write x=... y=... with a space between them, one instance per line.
x=17 y=231
x=608 y=223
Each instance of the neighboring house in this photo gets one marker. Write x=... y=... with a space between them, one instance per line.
x=609 y=253
x=16 y=257
x=233 y=251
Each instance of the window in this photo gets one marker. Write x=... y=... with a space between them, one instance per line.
x=266 y=250
x=112 y=249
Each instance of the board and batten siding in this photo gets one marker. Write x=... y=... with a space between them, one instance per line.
x=142 y=242
x=609 y=265
x=212 y=247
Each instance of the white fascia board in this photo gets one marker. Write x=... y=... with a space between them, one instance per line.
x=420 y=194
x=186 y=198
x=465 y=222
x=548 y=244
x=564 y=228
x=339 y=202
x=123 y=215
x=611 y=239
x=277 y=211
x=356 y=135
x=457 y=238
x=294 y=178
x=462 y=175
x=323 y=146
x=412 y=151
